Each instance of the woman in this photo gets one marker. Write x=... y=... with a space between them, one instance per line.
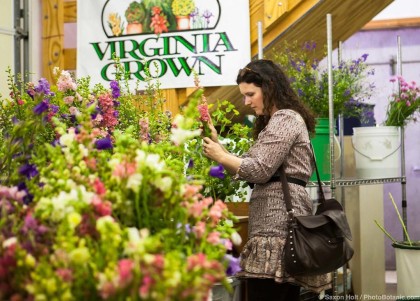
x=282 y=130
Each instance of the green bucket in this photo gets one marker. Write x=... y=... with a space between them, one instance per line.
x=321 y=144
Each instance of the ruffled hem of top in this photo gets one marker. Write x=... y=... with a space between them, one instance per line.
x=262 y=257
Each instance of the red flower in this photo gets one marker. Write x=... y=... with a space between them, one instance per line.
x=159 y=24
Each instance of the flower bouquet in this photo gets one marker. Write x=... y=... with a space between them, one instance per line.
x=310 y=80
x=95 y=203
x=403 y=104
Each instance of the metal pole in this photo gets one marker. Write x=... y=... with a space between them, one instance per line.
x=260 y=40
x=331 y=125
x=330 y=102
x=403 y=176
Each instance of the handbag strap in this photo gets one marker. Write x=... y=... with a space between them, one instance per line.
x=286 y=190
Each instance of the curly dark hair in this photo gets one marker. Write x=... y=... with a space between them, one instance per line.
x=276 y=90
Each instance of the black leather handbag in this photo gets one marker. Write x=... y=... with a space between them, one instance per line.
x=316 y=244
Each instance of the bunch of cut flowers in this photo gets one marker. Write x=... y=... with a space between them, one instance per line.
x=404 y=104
x=95 y=205
x=350 y=80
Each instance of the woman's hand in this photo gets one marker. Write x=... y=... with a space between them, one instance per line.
x=213 y=150
x=216 y=152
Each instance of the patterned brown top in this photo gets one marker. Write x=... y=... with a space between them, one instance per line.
x=284 y=140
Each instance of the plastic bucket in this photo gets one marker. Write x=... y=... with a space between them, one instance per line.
x=376 y=151
x=321 y=145
x=408 y=273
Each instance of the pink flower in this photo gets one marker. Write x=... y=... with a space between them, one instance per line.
x=159 y=261
x=196 y=261
x=191 y=190
x=65 y=274
x=107 y=290
x=203 y=109
x=144 y=289
x=68 y=100
x=65 y=82
x=199 y=229
x=125 y=270
x=216 y=211
x=214 y=238
x=99 y=186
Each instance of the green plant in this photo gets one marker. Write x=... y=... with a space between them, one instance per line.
x=403 y=104
x=310 y=80
x=135 y=13
x=183 y=7
x=408 y=241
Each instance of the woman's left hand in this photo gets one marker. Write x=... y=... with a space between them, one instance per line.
x=213 y=150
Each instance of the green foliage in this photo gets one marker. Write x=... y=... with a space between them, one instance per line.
x=136 y=12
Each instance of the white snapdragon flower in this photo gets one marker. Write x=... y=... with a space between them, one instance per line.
x=9 y=242
x=67 y=138
x=164 y=184
x=140 y=157
x=134 y=182
x=153 y=161
x=179 y=136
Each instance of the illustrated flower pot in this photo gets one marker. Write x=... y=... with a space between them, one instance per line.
x=134 y=28
x=408 y=272
x=183 y=22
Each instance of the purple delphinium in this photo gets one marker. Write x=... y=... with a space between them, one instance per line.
x=104 y=143
x=41 y=107
x=43 y=87
x=233 y=266
x=217 y=171
x=190 y=163
x=115 y=87
x=28 y=170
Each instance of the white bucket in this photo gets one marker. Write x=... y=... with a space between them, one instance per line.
x=408 y=273
x=376 y=151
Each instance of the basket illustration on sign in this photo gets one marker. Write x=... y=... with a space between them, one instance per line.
x=376 y=151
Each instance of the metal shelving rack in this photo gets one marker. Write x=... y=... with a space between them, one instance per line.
x=342 y=182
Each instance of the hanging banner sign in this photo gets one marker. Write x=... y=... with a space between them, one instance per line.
x=169 y=40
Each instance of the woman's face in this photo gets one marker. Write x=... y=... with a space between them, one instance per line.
x=253 y=97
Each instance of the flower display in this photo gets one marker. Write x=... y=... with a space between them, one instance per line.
x=403 y=104
x=350 y=87
x=101 y=199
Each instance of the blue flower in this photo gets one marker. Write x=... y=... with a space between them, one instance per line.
x=233 y=266
x=115 y=89
x=104 y=143
x=217 y=171
x=28 y=170
x=43 y=87
x=190 y=163
x=41 y=107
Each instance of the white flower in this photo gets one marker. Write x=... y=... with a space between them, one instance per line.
x=114 y=162
x=133 y=235
x=236 y=238
x=83 y=150
x=153 y=161
x=179 y=136
x=140 y=157
x=164 y=184
x=134 y=182
x=9 y=242
x=67 y=139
